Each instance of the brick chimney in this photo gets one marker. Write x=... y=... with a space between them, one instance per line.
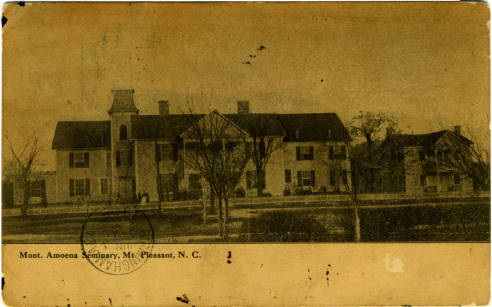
x=243 y=107
x=457 y=130
x=163 y=107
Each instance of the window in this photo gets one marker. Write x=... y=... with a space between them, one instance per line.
x=251 y=180
x=168 y=183
x=422 y=180
x=191 y=150
x=305 y=178
x=167 y=152
x=288 y=176
x=194 y=182
x=36 y=188
x=304 y=153
x=79 y=187
x=331 y=153
x=123 y=133
x=457 y=155
x=457 y=179
x=230 y=146
x=104 y=186
x=79 y=160
x=118 y=158
x=421 y=155
x=332 y=177
x=108 y=159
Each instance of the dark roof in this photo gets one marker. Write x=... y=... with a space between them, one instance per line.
x=166 y=127
x=82 y=135
x=311 y=127
x=123 y=101
x=424 y=140
x=257 y=123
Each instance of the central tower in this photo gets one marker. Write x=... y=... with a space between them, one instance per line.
x=122 y=149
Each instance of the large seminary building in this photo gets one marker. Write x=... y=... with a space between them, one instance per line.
x=118 y=158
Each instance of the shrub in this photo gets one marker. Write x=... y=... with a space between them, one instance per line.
x=286 y=192
x=267 y=194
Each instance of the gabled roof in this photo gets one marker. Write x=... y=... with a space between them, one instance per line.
x=310 y=127
x=313 y=127
x=424 y=140
x=82 y=135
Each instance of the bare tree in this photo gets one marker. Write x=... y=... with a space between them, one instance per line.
x=341 y=179
x=368 y=125
x=217 y=152
x=262 y=148
x=25 y=160
x=468 y=158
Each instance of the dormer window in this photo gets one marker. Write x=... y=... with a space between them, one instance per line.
x=123 y=133
x=298 y=134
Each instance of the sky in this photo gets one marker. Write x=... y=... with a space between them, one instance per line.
x=426 y=64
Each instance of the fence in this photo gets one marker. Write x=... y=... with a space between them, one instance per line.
x=258 y=202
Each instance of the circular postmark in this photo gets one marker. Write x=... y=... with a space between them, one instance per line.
x=117 y=243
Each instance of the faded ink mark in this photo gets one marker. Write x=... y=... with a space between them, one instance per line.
x=393 y=264
x=327 y=273
x=261 y=48
x=4 y=21
x=110 y=301
x=183 y=298
x=229 y=256
x=21 y=3
x=3 y=282
x=247 y=63
x=309 y=274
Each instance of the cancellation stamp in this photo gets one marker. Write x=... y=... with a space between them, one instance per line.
x=117 y=244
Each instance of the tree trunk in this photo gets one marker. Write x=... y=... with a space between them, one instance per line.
x=219 y=218
x=25 y=203
x=204 y=212
x=158 y=178
x=212 y=198
x=225 y=224
x=259 y=183
x=357 y=224
x=369 y=158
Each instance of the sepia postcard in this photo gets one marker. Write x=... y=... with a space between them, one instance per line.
x=245 y=154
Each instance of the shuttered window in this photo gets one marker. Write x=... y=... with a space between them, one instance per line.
x=304 y=153
x=79 y=160
x=79 y=187
x=306 y=178
x=288 y=176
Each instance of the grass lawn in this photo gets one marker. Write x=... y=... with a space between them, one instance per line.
x=470 y=222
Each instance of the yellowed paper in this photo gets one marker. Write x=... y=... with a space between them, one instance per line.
x=245 y=154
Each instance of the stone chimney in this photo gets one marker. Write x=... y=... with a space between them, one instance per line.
x=163 y=107
x=243 y=107
x=457 y=130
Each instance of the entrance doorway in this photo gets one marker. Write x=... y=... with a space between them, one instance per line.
x=126 y=188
